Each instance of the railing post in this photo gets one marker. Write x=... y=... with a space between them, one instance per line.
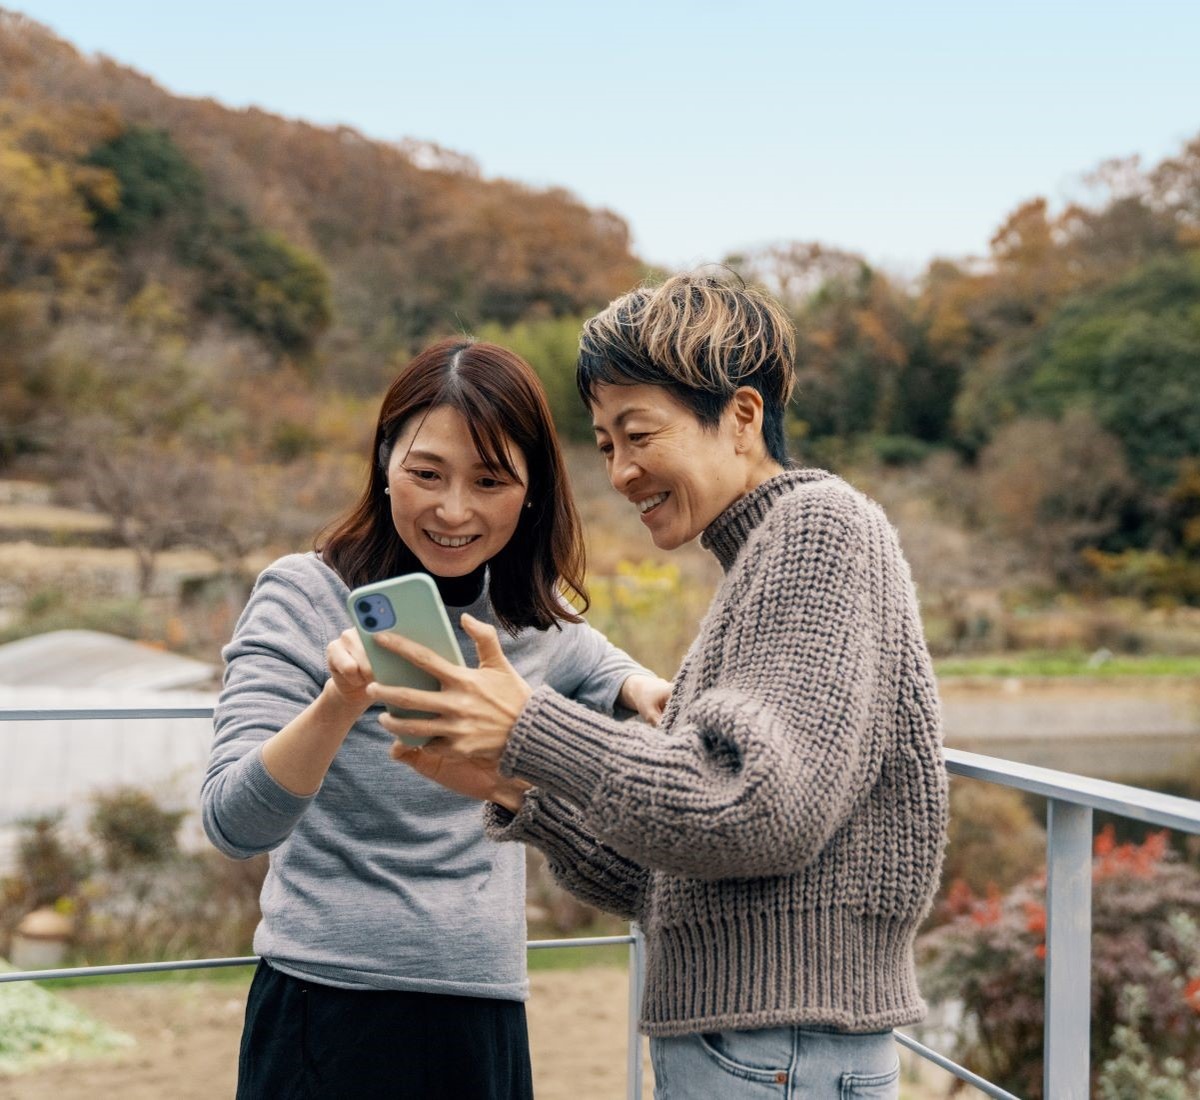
x=637 y=976
x=1068 y=996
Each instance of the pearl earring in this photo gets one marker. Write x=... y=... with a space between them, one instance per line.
x=387 y=490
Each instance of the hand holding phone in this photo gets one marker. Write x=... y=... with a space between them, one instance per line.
x=412 y=607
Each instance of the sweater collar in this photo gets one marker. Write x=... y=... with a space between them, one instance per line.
x=727 y=534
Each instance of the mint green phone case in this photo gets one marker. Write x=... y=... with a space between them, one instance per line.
x=412 y=607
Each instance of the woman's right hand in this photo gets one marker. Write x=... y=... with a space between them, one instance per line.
x=476 y=779
x=349 y=670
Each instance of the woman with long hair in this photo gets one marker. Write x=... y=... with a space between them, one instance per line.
x=391 y=925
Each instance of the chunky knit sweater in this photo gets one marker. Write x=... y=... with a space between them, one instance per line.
x=779 y=836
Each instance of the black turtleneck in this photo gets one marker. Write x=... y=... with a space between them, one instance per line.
x=461 y=591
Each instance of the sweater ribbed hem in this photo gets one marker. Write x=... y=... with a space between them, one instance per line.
x=753 y=969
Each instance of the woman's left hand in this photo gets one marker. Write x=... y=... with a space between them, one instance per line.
x=647 y=695
x=476 y=708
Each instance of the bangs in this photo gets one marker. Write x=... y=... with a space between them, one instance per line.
x=605 y=361
x=484 y=422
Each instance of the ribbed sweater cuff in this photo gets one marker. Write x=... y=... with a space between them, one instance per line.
x=561 y=746
x=531 y=824
x=266 y=790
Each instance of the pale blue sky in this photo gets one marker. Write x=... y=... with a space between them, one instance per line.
x=901 y=130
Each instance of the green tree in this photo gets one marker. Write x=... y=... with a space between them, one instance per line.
x=154 y=178
x=551 y=347
x=264 y=282
x=1130 y=352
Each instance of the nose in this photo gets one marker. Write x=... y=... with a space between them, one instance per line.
x=454 y=507
x=623 y=471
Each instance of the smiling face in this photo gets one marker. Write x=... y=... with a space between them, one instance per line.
x=452 y=510
x=679 y=474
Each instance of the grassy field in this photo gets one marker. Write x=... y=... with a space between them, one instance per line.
x=1040 y=663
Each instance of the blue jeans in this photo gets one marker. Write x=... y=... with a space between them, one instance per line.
x=779 y=1063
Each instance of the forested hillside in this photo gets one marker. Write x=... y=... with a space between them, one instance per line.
x=198 y=306
x=327 y=248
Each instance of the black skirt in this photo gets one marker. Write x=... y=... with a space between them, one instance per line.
x=316 y=1042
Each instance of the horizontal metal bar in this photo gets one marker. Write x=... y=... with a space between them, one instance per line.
x=244 y=960
x=123 y=968
x=1164 y=810
x=982 y=1083
x=593 y=941
x=97 y=713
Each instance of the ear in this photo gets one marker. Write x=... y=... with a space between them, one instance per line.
x=746 y=410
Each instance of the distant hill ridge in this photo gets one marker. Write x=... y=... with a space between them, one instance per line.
x=411 y=239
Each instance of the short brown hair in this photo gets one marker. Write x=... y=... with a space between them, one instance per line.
x=500 y=397
x=701 y=338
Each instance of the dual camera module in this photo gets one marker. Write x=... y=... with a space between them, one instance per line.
x=375 y=613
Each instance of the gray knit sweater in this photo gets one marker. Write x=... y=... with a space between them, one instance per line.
x=779 y=837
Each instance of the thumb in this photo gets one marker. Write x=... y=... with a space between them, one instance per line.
x=487 y=642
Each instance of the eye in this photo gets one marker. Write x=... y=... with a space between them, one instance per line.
x=638 y=437
x=605 y=448
x=422 y=475
x=492 y=483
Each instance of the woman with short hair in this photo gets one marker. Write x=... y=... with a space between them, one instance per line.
x=779 y=836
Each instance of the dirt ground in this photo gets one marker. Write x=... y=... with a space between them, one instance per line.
x=187 y=1038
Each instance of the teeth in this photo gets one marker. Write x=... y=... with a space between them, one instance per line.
x=443 y=540
x=651 y=502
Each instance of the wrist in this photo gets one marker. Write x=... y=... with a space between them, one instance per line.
x=511 y=796
x=334 y=705
x=626 y=697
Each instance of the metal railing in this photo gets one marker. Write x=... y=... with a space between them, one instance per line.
x=1071 y=802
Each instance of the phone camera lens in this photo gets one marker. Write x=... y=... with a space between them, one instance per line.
x=370 y=622
x=364 y=606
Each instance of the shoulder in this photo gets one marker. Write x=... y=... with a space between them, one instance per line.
x=305 y=572
x=304 y=583
x=822 y=511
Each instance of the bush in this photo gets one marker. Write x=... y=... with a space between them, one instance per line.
x=994 y=842
x=900 y=450
x=991 y=959
x=133 y=829
x=50 y=871
x=189 y=906
x=149 y=900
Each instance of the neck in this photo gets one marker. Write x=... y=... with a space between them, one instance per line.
x=761 y=471
x=461 y=591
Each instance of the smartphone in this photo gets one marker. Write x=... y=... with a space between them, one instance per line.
x=411 y=606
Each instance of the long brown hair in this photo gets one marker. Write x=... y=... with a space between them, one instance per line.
x=501 y=399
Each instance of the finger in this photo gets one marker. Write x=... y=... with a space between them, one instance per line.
x=401 y=698
x=427 y=763
x=353 y=644
x=421 y=656
x=345 y=664
x=412 y=727
x=487 y=642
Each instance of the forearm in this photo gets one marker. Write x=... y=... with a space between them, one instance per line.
x=677 y=802
x=578 y=860
x=299 y=755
